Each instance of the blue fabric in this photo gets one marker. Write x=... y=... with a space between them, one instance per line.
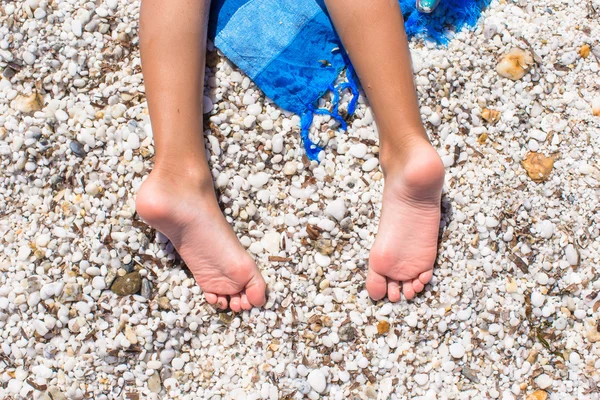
x=289 y=48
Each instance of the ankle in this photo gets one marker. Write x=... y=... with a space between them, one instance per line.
x=190 y=175
x=417 y=166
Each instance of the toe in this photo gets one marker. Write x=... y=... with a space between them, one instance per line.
x=426 y=276
x=234 y=302
x=407 y=289
x=245 y=303
x=376 y=285
x=222 y=302
x=393 y=290
x=255 y=291
x=211 y=298
x=417 y=285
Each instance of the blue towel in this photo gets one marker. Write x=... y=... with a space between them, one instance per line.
x=289 y=48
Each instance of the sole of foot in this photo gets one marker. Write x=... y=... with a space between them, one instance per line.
x=187 y=213
x=402 y=257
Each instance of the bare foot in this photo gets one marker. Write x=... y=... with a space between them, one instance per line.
x=186 y=211
x=406 y=244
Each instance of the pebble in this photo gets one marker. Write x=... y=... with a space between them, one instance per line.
x=277 y=143
x=358 y=150
x=154 y=383
x=259 y=179
x=546 y=229
x=457 y=350
x=128 y=284
x=421 y=379
x=77 y=149
x=336 y=209
x=317 y=380
x=544 y=381
x=537 y=299
x=322 y=260
x=370 y=164
x=572 y=255
x=254 y=109
x=290 y=168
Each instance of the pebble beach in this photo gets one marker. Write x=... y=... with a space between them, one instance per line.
x=95 y=304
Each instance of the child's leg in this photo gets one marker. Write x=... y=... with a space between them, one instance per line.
x=405 y=248
x=178 y=197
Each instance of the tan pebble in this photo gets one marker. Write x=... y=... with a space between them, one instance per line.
x=324 y=284
x=537 y=395
x=482 y=138
x=383 y=327
x=584 y=51
x=538 y=166
x=514 y=64
x=511 y=286
x=29 y=103
x=130 y=335
x=596 y=106
x=491 y=116
x=593 y=335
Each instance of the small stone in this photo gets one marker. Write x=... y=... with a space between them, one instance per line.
x=24 y=253
x=127 y=284
x=317 y=380
x=572 y=255
x=544 y=381
x=28 y=57
x=29 y=103
x=164 y=303
x=537 y=395
x=457 y=350
x=77 y=149
x=546 y=229
x=336 y=209
x=207 y=105
x=271 y=242
x=538 y=166
x=322 y=260
x=370 y=164
x=358 y=150
x=511 y=286
x=254 y=109
x=146 y=290
x=324 y=246
x=259 y=179
x=177 y=363
x=42 y=240
x=267 y=125
x=537 y=299
x=412 y=320
x=76 y=27
x=154 y=383
x=277 y=143
x=596 y=106
x=421 y=379
x=514 y=64
x=346 y=333
x=383 y=327
x=290 y=168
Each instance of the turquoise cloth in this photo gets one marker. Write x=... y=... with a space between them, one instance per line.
x=289 y=48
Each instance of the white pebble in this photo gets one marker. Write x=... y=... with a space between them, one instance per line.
x=336 y=209
x=457 y=350
x=544 y=381
x=317 y=380
x=572 y=255
x=370 y=164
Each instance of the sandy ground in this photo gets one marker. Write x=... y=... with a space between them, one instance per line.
x=513 y=307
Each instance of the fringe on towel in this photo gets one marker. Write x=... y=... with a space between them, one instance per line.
x=450 y=16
